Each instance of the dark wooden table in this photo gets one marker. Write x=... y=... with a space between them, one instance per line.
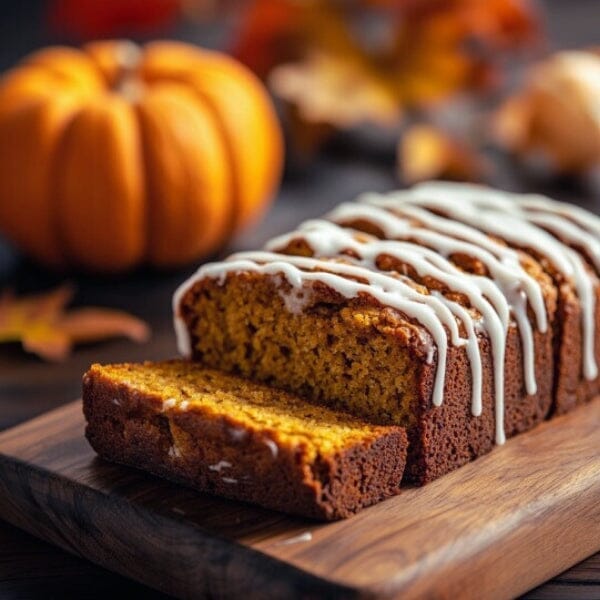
x=30 y=568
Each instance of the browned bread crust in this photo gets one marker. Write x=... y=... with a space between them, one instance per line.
x=218 y=451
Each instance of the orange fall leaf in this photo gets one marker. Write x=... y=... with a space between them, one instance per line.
x=336 y=90
x=45 y=327
x=426 y=152
x=429 y=50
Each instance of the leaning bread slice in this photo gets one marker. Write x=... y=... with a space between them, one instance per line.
x=227 y=436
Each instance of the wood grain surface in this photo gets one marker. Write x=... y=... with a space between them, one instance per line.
x=495 y=528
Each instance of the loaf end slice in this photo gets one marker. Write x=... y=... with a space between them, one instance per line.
x=227 y=436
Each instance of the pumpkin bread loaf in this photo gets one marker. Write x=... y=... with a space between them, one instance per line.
x=463 y=314
x=456 y=314
x=224 y=435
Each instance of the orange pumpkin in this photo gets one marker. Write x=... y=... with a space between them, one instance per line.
x=115 y=155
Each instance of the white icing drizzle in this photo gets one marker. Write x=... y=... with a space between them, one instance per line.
x=182 y=336
x=429 y=311
x=296 y=301
x=567 y=222
x=168 y=403
x=272 y=446
x=327 y=239
x=504 y=267
x=426 y=241
x=303 y=537
x=582 y=218
x=175 y=452
x=218 y=467
x=490 y=210
x=447 y=238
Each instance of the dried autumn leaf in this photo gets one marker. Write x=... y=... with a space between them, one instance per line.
x=442 y=47
x=95 y=324
x=44 y=327
x=343 y=64
x=335 y=90
x=426 y=49
x=426 y=152
x=555 y=115
x=304 y=138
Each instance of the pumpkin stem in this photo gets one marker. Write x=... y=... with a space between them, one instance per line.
x=128 y=84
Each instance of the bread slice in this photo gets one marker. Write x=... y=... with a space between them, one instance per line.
x=224 y=435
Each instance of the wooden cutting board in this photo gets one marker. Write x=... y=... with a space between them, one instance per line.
x=493 y=529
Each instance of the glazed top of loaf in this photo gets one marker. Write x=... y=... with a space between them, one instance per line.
x=424 y=228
